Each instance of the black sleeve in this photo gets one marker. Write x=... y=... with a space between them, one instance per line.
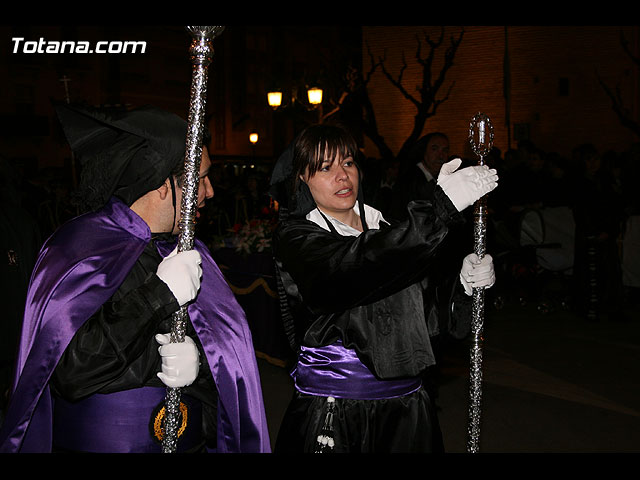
x=458 y=318
x=334 y=273
x=116 y=348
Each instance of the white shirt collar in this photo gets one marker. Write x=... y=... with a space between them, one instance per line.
x=426 y=172
x=373 y=217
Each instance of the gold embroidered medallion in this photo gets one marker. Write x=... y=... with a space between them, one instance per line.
x=158 y=430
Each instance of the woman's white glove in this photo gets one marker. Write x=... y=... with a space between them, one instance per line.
x=180 y=361
x=181 y=272
x=476 y=273
x=464 y=187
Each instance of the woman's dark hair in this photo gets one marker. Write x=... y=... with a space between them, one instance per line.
x=318 y=143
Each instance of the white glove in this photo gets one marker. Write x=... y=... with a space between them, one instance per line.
x=181 y=272
x=180 y=361
x=464 y=187
x=477 y=273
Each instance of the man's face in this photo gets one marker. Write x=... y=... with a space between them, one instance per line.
x=205 y=190
x=436 y=154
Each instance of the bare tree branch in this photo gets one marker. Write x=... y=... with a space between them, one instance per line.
x=354 y=93
x=428 y=102
x=336 y=106
x=624 y=115
x=617 y=104
x=398 y=82
x=354 y=90
x=627 y=49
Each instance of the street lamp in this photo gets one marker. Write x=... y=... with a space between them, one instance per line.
x=253 y=138
x=274 y=99
x=314 y=96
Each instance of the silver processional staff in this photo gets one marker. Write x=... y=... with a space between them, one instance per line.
x=481 y=139
x=201 y=52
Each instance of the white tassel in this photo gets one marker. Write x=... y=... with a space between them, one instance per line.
x=325 y=442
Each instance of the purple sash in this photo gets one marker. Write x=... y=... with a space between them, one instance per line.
x=336 y=371
x=123 y=422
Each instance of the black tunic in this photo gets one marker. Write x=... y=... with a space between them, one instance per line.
x=332 y=281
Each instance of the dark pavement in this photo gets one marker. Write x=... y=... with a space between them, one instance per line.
x=552 y=383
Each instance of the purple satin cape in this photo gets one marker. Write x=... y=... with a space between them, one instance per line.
x=79 y=268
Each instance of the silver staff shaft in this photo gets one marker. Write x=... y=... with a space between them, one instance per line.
x=481 y=139
x=201 y=52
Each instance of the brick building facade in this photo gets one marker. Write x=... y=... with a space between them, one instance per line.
x=556 y=98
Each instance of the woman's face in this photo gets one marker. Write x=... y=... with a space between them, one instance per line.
x=334 y=186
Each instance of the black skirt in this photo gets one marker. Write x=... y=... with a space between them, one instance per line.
x=405 y=424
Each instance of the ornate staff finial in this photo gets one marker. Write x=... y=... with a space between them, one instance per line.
x=208 y=31
x=481 y=139
x=481 y=135
x=201 y=52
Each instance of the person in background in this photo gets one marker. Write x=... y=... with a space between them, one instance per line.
x=418 y=182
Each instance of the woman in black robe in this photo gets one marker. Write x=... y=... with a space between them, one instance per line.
x=352 y=303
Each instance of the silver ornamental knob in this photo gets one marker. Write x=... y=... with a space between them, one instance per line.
x=481 y=135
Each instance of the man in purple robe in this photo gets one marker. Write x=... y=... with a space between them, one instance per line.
x=94 y=359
